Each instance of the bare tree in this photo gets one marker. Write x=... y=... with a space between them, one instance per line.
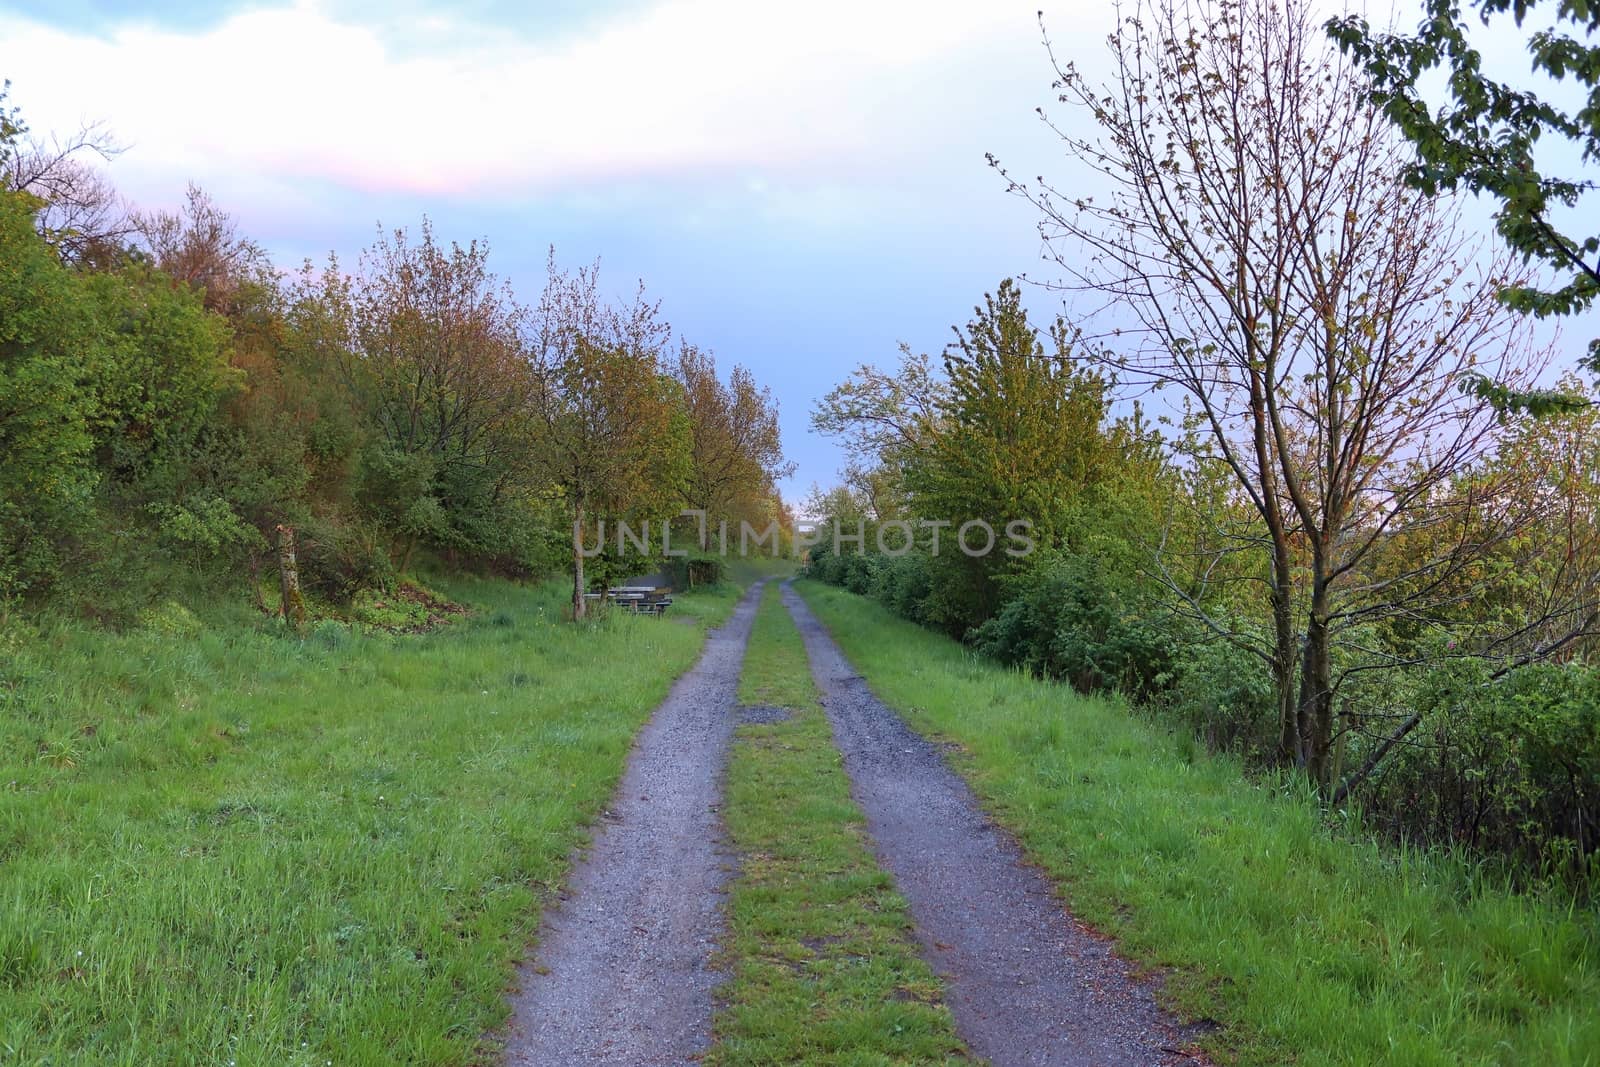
x=200 y=245
x=79 y=211
x=1317 y=317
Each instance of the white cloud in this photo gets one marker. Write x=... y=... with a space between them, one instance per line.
x=686 y=86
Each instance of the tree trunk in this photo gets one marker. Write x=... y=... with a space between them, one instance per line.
x=1291 y=751
x=579 y=605
x=1315 y=706
x=292 y=606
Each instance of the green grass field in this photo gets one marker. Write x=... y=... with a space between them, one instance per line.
x=824 y=967
x=221 y=844
x=1310 y=946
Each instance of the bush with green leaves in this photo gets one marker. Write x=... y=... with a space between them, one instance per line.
x=339 y=557
x=204 y=528
x=825 y=565
x=1223 y=694
x=1508 y=765
x=860 y=572
x=904 y=584
x=49 y=342
x=1067 y=618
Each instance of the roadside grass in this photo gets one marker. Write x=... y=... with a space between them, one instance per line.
x=825 y=969
x=1309 y=945
x=223 y=844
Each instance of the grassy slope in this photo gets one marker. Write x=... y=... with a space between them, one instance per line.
x=824 y=967
x=246 y=848
x=1311 y=948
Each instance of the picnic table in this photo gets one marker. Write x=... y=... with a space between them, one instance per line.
x=638 y=599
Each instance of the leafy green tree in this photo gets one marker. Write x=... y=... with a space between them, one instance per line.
x=1019 y=424
x=1486 y=137
x=160 y=375
x=1018 y=438
x=426 y=342
x=881 y=419
x=737 y=450
x=610 y=429
x=49 y=341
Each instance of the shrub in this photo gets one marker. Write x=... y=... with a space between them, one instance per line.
x=860 y=572
x=1509 y=765
x=1224 y=695
x=171 y=619
x=1065 y=619
x=824 y=565
x=340 y=559
x=904 y=584
x=204 y=528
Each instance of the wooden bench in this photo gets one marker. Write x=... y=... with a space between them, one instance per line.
x=638 y=599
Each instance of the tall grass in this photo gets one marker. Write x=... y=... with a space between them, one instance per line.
x=1308 y=945
x=223 y=844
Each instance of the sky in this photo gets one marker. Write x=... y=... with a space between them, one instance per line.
x=802 y=186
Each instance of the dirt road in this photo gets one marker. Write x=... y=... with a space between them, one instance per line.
x=622 y=971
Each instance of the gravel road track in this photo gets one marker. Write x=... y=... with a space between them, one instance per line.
x=1027 y=984
x=622 y=974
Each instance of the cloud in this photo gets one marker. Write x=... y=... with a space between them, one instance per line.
x=683 y=87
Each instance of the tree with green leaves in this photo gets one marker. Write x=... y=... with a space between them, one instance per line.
x=882 y=418
x=737 y=450
x=49 y=345
x=610 y=431
x=1018 y=439
x=1486 y=137
x=427 y=343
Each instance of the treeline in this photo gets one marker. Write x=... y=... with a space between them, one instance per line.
x=1331 y=554
x=172 y=404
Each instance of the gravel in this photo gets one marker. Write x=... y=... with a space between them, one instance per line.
x=1027 y=984
x=762 y=715
x=622 y=973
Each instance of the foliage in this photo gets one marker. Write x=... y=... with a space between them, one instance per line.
x=1010 y=436
x=167 y=395
x=1018 y=438
x=159 y=377
x=1487 y=136
x=203 y=528
x=1318 y=319
x=1067 y=618
x=610 y=428
x=49 y=337
x=1221 y=695
x=1508 y=765
x=735 y=450
x=881 y=419
x=427 y=345
x=341 y=556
